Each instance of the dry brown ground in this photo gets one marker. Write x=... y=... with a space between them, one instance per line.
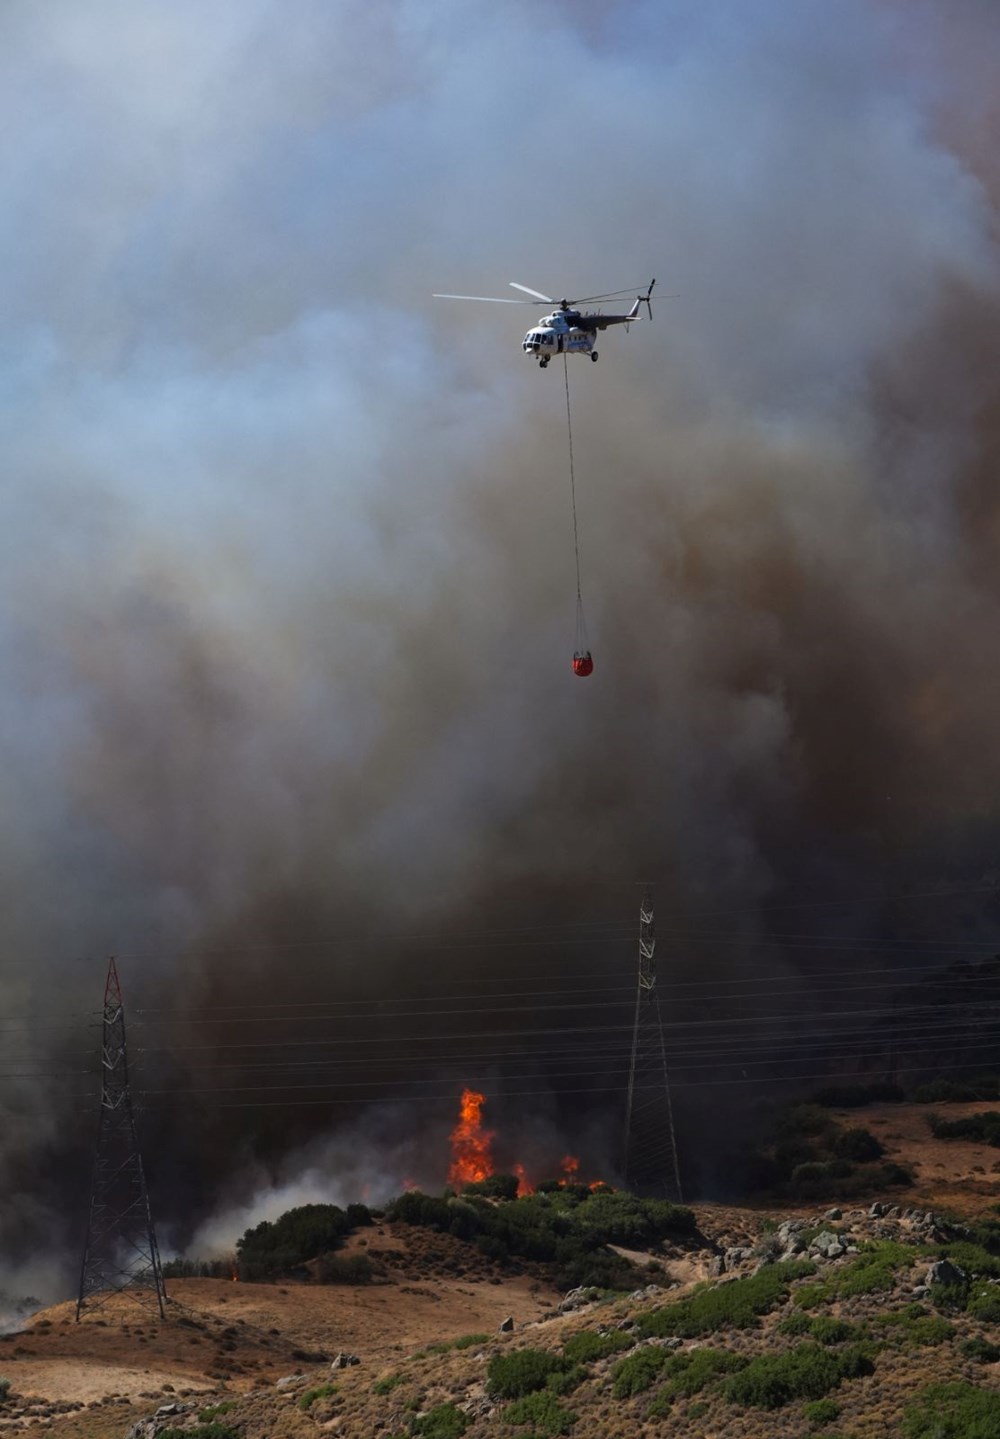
x=950 y=1174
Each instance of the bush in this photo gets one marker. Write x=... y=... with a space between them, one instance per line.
x=271 y=1250
x=690 y=1373
x=200 y=1431
x=442 y=1422
x=917 y=1326
x=979 y=1349
x=543 y=1410
x=321 y=1391
x=984 y=1306
x=873 y=1270
x=981 y=1128
x=953 y=1411
x=496 y=1186
x=832 y=1331
x=344 y=1269
x=858 y=1145
x=511 y=1376
x=214 y=1410
x=820 y=1412
x=805 y=1372
x=566 y=1381
x=734 y=1306
x=638 y=1372
x=358 y=1216
x=586 y=1347
x=4 y=1389
x=950 y=1091
x=387 y=1385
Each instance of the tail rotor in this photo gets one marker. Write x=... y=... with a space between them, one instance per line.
x=647 y=298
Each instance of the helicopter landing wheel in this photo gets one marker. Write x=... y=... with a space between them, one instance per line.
x=593 y=356
x=542 y=364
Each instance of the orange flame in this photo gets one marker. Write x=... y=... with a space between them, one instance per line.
x=235 y=1275
x=570 y=1169
x=524 y=1184
x=471 y=1144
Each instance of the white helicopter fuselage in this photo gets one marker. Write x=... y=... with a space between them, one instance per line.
x=556 y=334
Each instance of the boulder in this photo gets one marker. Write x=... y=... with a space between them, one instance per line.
x=506 y=1325
x=944 y=1272
x=833 y=1214
x=343 y=1360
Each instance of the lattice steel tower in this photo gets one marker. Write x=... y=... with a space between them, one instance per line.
x=120 y=1255
x=651 y=1165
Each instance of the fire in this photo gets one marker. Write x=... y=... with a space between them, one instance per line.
x=235 y=1274
x=471 y=1144
x=570 y=1169
x=524 y=1184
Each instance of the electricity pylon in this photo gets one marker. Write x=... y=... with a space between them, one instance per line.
x=121 y=1254
x=651 y=1165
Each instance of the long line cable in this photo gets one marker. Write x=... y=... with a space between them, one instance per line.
x=572 y=487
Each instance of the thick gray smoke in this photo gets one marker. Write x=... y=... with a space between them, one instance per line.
x=287 y=575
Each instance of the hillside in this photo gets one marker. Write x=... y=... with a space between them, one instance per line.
x=827 y=1300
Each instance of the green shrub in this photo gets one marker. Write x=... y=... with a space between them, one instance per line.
x=973 y=1258
x=565 y=1381
x=469 y=1341
x=638 y=1372
x=979 y=1349
x=872 y=1271
x=821 y=1412
x=953 y=1411
x=805 y=1372
x=951 y=1091
x=736 y=1305
x=795 y=1324
x=916 y=1326
x=858 y=1145
x=981 y=1128
x=511 y=1376
x=832 y=1331
x=321 y=1391
x=691 y=1373
x=586 y=1347
x=497 y=1186
x=214 y=1410
x=200 y=1431
x=984 y=1306
x=543 y=1410
x=271 y=1250
x=387 y=1385
x=442 y=1422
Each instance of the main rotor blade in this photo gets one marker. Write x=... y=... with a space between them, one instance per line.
x=537 y=293
x=611 y=295
x=490 y=299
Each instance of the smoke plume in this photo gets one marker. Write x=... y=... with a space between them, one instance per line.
x=287 y=574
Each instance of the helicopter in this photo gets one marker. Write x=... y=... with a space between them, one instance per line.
x=567 y=330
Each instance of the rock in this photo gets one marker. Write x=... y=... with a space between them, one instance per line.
x=578 y=1298
x=290 y=1381
x=343 y=1360
x=834 y=1251
x=716 y=1266
x=506 y=1325
x=920 y=1291
x=944 y=1272
x=833 y=1214
x=876 y=1211
x=625 y=1324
